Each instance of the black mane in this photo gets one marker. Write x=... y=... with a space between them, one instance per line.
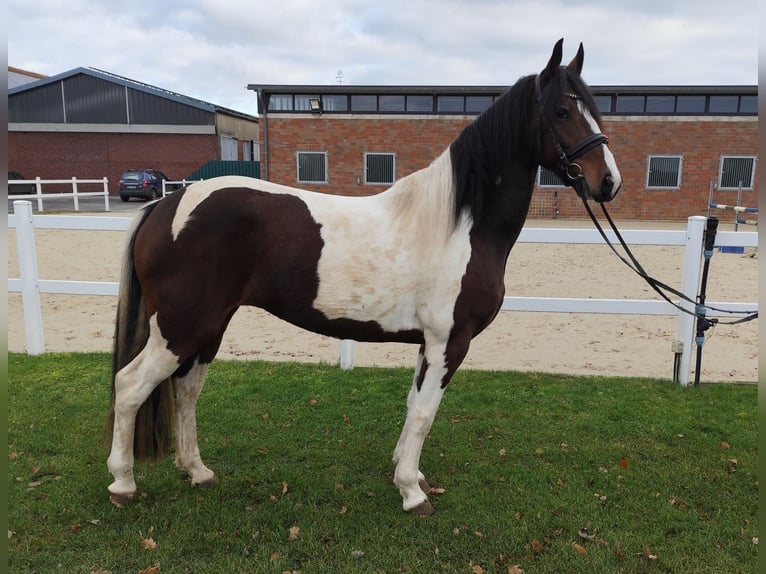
x=505 y=134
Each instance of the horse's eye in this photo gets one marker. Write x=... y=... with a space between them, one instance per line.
x=562 y=113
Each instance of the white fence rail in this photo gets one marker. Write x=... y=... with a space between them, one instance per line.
x=75 y=194
x=30 y=286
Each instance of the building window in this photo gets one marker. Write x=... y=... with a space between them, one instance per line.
x=312 y=167
x=630 y=104
x=604 y=104
x=391 y=103
x=724 y=104
x=281 y=102
x=660 y=104
x=364 y=103
x=423 y=104
x=548 y=178
x=748 y=104
x=664 y=172
x=379 y=168
x=334 y=103
x=229 y=148
x=736 y=171
x=690 y=104
x=302 y=102
x=251 y=151
x=450 y=104
x=477 y=104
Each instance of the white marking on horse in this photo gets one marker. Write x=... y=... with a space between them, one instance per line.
x=609 y=160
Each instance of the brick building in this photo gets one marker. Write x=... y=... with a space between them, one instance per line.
x=89 y=124
x=673 y=144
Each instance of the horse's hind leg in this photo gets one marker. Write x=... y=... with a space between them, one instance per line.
x=188 y=389
x=133 y=385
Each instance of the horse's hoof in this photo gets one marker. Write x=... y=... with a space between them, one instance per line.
x=424 y=486
x=121 y=500
x=422 y=509
x=208 y=483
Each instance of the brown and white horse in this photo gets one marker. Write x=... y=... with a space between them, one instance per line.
x=422 y=262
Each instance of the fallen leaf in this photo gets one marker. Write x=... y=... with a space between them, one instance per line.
x=502 y=452
x=648 y=554
x=284 y=487
x=436 y=491
x=517 y=515
x=623 y=463
x=583 y=533
x=273 y=556
x=357 y=554
x=732 y=460
x=149 y=544
x=755 y=540
x=295 y=531
x=94 y=521
x=724 y=445
x=346 y=419
x=343 y=509
x=151 y=569
x=515 y=569
x=536 y=546
x=75 y=528
x=313 y=402
x=479 y=534
x=477 y=569
x=579 y=549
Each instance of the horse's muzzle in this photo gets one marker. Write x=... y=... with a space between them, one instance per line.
x=609 y=188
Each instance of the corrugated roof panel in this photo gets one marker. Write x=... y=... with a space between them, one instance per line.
x=40 y=105
x=91 y=100
x=146 y=108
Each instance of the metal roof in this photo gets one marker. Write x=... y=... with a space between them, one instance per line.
x=132 y=84
x=489 y=90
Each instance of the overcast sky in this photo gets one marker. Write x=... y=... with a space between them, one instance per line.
x=211 y=49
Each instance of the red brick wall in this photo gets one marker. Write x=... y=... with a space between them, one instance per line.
x=51 y=155
x=418 y=141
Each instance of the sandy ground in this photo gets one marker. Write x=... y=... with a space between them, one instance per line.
x=611 y=345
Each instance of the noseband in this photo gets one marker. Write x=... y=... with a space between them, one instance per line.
x=572 y=169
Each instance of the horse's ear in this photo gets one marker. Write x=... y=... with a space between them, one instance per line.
x=553 y=64
x=576 y=64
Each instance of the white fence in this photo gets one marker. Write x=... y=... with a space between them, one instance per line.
x=75 y=194
x=30 y=286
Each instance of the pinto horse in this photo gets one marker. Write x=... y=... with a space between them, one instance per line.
x=422 y=262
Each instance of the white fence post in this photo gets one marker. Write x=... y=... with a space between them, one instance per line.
x=74 y=194
x=30 y=283
x=39 y=188
x=346 y=358
x=690 y=281
x=106 y=194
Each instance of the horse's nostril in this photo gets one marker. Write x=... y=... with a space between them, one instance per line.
x=607 y=187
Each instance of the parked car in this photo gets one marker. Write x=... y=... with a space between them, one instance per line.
x=144 y=184
x=19 y=188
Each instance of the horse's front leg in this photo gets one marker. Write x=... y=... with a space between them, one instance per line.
x=187 y=391
x=432 y=374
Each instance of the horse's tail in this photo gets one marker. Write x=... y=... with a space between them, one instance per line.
x=154 y=420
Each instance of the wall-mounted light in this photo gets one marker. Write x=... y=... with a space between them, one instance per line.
x=315 y=105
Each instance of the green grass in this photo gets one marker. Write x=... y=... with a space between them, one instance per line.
x=526 y=461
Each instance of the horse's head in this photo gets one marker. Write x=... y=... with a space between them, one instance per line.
x=570 y=141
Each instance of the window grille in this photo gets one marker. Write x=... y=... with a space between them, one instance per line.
x=281 y=102
x=379 y=168
x=664 y=172
x=736 y=171
x=548 y=178
x=312 y=167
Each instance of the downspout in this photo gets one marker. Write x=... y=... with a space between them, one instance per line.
x=263 y=106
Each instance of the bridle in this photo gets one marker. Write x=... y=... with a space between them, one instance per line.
x=569 y=166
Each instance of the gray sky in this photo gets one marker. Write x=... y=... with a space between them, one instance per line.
x=211 y=49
